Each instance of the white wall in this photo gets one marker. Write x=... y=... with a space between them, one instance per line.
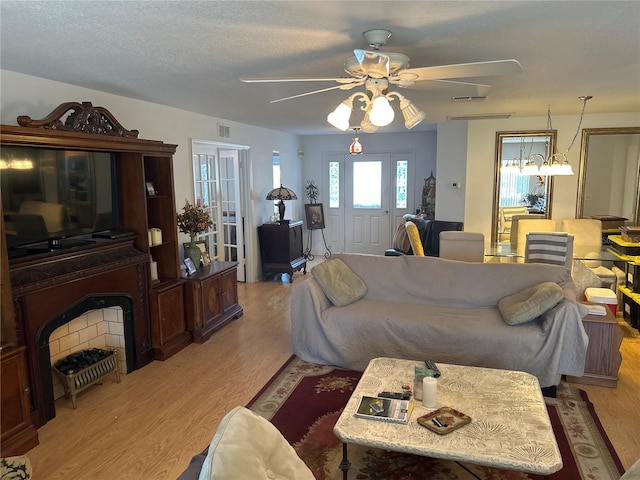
x=37 y=97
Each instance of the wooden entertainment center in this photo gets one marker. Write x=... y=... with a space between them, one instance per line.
x=105 y=271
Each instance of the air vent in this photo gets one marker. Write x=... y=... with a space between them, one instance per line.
x=480 y=116
x=224 y=131
x=477 y=98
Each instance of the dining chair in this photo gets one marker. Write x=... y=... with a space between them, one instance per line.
x=588 y=242
x=532 y=225
x=555 y=248
x=463 y=246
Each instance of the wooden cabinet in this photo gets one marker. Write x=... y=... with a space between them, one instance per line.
x=17 y=433
x=156 y=209
x=211 y=299
x=169 y=332
x=603 y=354
x=281 y=248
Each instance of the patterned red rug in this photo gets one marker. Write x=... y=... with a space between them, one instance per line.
x=304 y=400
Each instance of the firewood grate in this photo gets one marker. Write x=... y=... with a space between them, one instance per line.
x=80 y=370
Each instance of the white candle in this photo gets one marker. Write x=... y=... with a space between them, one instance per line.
x=156 y=236
x=429 y=391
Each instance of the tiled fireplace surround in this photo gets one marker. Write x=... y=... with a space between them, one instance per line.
x=94 y=329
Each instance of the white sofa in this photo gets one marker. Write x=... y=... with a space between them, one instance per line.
x=442 y=310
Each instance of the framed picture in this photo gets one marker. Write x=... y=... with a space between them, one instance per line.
x=206 y=259
x=314 y=215
x=151 y=190
x=191 y=268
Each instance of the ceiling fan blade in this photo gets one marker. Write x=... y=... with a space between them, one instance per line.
x=348 y=86
x=462 y=70
x=374 y=64
x=284 y=79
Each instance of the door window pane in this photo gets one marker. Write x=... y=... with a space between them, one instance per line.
x=401 y=184
x=367 y=184
x=334 y=184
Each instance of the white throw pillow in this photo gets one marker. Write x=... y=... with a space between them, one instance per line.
x=247 y=446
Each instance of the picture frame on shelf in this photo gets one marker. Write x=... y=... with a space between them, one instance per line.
x=206 y=259
x=151 y=189
x=191 y=268
x=314 y=215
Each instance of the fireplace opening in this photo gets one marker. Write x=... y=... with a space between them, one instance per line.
x=91 y=302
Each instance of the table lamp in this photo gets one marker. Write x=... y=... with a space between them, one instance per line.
x=281 y=193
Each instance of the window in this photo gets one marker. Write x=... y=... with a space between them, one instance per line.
x=334 y=184
x=401 y=184
x=275 y=161
x=367 y=184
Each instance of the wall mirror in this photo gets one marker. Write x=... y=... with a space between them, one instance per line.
x=609 y=173
x=518 y=189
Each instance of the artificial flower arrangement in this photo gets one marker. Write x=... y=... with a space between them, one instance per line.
x=194 y=219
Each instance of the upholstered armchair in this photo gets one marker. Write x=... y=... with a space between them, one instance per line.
x=401 y=244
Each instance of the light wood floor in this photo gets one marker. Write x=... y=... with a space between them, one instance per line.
x=151 y=424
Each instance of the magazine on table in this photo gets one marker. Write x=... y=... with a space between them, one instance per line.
x=384 y=409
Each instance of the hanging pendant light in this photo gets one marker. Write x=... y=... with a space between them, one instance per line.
x=356 y=147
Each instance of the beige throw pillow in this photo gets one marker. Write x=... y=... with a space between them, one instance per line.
x=247 y=446
x=338 y=282
x=530 y=303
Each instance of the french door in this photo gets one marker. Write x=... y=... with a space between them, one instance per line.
x=217 y=178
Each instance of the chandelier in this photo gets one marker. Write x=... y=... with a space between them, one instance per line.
x=553 y=163
x=377 y=108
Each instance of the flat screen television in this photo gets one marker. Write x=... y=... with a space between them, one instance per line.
x=56 y=197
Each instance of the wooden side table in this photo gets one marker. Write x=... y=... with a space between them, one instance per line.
x=281 y=248
x=603 y=354
x=211 y=299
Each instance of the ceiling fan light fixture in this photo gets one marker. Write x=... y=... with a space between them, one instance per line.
x=366 y=125
x=381 y=113
x=339 y=118
x=412 y=116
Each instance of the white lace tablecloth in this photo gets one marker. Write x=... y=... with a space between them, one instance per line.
x=510 y=426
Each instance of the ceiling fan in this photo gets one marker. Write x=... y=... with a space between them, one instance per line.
x=377 y=70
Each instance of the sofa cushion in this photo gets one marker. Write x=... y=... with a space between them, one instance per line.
x=414 y=238
x=247 y=446
x=338 y=282
x=530 y=303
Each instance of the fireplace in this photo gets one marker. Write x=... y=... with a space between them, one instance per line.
x=49 y=292
x=92 y=302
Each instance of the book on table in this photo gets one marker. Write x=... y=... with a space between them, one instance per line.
x=384 y=409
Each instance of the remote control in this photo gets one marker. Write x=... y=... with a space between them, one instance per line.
x=433 y=367
x=397 y=395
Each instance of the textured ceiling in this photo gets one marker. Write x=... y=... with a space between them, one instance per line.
x=191 y=54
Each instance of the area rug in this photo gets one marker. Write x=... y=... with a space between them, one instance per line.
x=304 y=400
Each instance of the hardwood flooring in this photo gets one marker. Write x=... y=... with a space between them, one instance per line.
x=152 y=423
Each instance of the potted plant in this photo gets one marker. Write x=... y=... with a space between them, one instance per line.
x=193 y=220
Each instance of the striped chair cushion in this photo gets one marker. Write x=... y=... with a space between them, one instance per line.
x=547 y=247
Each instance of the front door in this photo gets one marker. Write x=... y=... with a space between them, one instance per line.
x=368 y=186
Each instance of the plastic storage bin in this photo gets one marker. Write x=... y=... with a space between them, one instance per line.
x=602 y=295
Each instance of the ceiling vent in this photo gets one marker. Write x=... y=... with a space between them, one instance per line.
x=480 y=116
x=467 y=99
x=224 y=131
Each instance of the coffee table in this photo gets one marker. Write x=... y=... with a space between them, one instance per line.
x=510 y=426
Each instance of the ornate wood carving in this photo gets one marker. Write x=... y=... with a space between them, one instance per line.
x=84 y=118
